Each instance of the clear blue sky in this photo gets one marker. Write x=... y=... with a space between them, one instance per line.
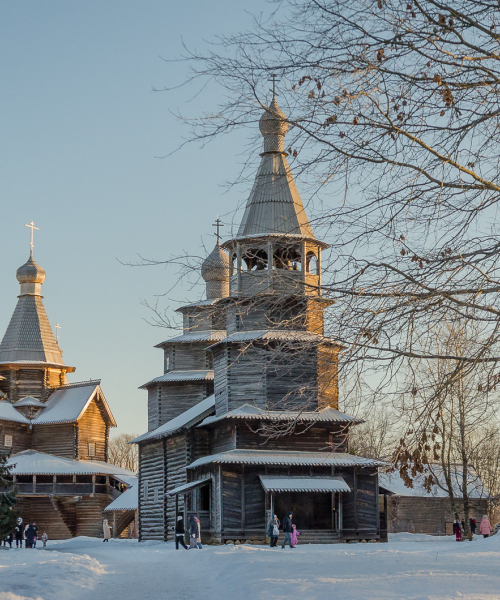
x=80 y=129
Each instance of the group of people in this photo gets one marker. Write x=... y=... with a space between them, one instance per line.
x=289 y=529
x=28 y=533
x=194 y=533
x=484 y=527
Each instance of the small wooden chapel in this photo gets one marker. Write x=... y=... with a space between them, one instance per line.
x=244 y=420
x=55 y=433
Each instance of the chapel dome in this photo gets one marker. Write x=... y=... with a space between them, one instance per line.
x=30 y=272
x=273 y=121
x=216 y=266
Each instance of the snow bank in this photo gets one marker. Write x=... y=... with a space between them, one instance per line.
x=409 y=567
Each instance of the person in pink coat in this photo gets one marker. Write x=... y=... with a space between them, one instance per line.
x=485 y=526
x=294 y=536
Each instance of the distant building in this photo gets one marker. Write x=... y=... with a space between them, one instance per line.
x=244 y=420
x=417 y=510
x=56 y=433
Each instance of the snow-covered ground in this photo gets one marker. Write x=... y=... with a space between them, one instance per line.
x=409 y=566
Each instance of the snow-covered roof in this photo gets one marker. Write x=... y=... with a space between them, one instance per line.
x=30 y=462
x=9 y=413
x=249 y=411
x=395 y=484
x=273 y=483
x=275 y=335
x=199 y=375
x=287 y=457
x=211 y=335
x=186 y=419
x=68 y=404
x=29 y=401
x=189 y=486
x=129 y=500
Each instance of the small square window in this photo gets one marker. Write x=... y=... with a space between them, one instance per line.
x=8 y=441
x=91 y=449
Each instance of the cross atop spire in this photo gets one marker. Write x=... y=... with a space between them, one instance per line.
x=32 y=227
x=218 y=223
x=273 y=79
x=57 y=327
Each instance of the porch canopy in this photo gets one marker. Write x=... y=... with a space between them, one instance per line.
x=188 y=487
x=272 y=483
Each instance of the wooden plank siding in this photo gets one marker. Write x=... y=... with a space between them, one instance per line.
x=177 y=457
x=92 y=428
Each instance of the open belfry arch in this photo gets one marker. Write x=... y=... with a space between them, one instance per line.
x=244 y=421
x=56 y=433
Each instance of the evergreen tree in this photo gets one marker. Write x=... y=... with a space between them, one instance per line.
x=8 y=499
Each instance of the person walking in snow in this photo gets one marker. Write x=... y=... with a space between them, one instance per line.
x=294 y=536
x=195 y=532
x=457 y=530
x=273 y=531
x=30 y=536
x=45 y=537
x=485 y=526
x=179 y=533
x=106 y=530
x=19 y=533
x=287 y=530
x=35 y=528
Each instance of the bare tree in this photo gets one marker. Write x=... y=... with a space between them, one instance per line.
x=446 y=428
x=394 y=114
x=122 y=454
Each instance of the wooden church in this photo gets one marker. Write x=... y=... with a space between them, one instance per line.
x=244 y=421
x=56 y=433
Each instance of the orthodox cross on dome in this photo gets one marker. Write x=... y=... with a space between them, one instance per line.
x=273 y=79
x=57 y=327
x=218 y=223
x=32 y=227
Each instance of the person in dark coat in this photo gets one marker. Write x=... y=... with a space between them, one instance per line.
x=30 y=536
x=473 y=526
x=195 y=532
x=179 y=533
x=287 y=530
x=273 y=531
x=457 y=530
x=36 y=534
x=19 y=533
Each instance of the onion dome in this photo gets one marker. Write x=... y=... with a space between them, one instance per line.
x=216 y=266
x=274 y=125
x=30 y=272
x=215 y=271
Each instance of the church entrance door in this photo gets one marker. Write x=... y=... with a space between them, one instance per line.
x=311 y=510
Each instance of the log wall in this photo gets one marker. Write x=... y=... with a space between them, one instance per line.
x=21 y=436
x=58 y=439
x=151 y=503
x=432 y=516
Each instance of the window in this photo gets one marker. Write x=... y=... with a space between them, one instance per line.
x=156 y=495
x=146 y=490
x=8 y=441
x=91 y=449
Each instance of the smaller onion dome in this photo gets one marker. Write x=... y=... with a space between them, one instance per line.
x=30 y=272
x=273 y=121
x=216 y=266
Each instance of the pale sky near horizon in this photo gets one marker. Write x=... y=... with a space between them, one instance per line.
x=80 y=129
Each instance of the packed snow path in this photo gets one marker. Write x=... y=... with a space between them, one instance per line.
x=409 y=566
